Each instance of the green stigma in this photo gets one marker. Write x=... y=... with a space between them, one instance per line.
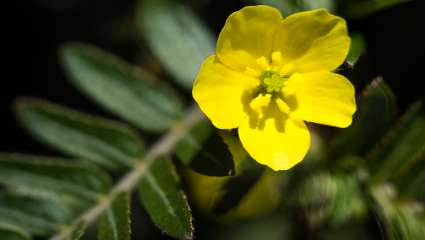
x=272 y=82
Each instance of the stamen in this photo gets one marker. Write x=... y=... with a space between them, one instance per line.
x=283 y=106
x=263 y=63
x=260 y=102
x=252 y=72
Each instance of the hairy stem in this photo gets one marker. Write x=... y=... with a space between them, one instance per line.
x=129 y=181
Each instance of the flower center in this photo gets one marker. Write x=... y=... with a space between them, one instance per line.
x=272 y=82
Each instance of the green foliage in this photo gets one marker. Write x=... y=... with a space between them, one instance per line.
x=376 y=112
x=129 y=92
x=115 y=222
x=203 y=149
x=165 y=201
x=109 y=144
x=8 y=232
x=176 y=36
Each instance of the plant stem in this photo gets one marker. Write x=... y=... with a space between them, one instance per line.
x=129 y=181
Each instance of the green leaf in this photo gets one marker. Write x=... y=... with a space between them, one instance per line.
x=129 y=92
x=287 y=7
x=376 y=111
x=234 y=190
x=164 y=200
x=109 y=144
x=363 y=8
x=176 y=36
x=401 y=220
x=358 y=47
x=115 y=221
x=332 y=199
x=37 y=216
x=78 y=232
x=8 y=232
x=402 y=150
x=203 y=149
x=75 y=184
x=314 y=4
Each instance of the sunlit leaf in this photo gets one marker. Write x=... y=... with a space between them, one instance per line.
x=109 y=144
x=72 y=183
x=401 y=220
x=176 y=36
x=129 y=92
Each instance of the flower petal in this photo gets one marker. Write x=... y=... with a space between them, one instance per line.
x=221 y=93
x=276 y=141
x=321 y=97
x=312 y=41
x=247 y=35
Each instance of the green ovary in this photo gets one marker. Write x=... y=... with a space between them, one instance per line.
x=272 y=82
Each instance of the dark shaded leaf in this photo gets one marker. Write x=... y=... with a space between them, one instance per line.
x=8 y=232
x=376 y=111
x=164 y=200
x=234 y=190
x=203 y=149
x=402 y=150
x=109 y=144
x=126 y=91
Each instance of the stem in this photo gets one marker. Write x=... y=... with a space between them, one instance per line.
x=128 y=182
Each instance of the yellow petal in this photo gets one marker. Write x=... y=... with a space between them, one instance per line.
x=312 y=41
x=247 y=35
x=220 y=93
x=322 y=97
x=276 y=141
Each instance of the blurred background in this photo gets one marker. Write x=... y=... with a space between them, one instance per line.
x=389 y=35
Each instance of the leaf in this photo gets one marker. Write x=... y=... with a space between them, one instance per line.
x=376 y=111
x=287 y=7
x=27 y=205
x=78 y=232
x=315 y=4
x=333 y=199
x=176 y=36
x=358 y=47
x=234 y=190
x=109 y=144
x=27 y=215
x=203 y=149
x=401 y=220
x=402 y=150
x=8 y=232
x=72 y=183
x=363 y=8
x=115 y=221
x=129 y=92
x=164 y=200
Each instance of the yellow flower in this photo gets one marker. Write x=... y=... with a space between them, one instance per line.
x=270 y=74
